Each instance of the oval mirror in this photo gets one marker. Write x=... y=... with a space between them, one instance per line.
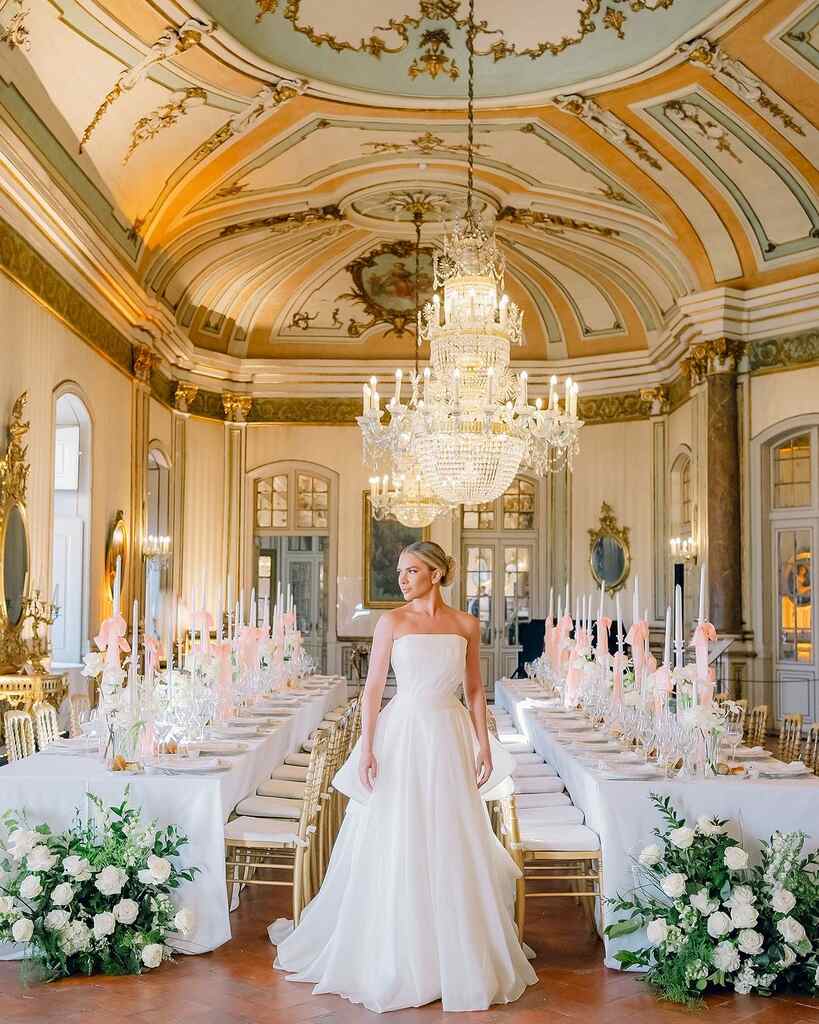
x=15 y=564
x=609 y=551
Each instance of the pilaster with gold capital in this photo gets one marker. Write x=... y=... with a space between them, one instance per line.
x=144 y=362
x=236 y=409
x=658 y=397
x=184 y=396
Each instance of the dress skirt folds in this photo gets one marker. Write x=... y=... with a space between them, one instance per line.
x=417 y=902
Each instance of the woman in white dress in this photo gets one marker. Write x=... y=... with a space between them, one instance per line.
x=417 y=902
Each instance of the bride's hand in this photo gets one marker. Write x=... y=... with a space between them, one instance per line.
x=367 y=770
x=483 y=766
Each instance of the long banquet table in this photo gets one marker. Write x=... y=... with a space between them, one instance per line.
x=622 y=814
x=54 y=788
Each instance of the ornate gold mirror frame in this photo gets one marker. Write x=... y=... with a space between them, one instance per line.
x=15 y=549
x=609 y=551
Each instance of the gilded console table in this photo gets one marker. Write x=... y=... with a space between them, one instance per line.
x=21 y=692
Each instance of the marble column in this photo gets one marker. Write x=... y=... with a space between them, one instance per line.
x=144 y=362
x=184 y=396
x=715 y=363
x=236 y=409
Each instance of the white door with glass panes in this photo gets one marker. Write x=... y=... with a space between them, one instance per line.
x=794 y=528
x=498 y=565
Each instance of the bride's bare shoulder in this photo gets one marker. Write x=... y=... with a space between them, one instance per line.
x=468 y=625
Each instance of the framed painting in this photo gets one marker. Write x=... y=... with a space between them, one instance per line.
x=384 y=540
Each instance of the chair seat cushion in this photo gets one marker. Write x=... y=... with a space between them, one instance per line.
x=303 y=760
x=533 y=758
x=579 y=838
x=260 y=830
x=269 y=807
x=561 y=814
x=522 y=746
x=527 y=771
x=537 y=784
x=541 y=799
x=282 y=788
x=307 y=745
x=292 y=773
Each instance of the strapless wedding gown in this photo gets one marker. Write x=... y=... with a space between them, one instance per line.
x=417 y=902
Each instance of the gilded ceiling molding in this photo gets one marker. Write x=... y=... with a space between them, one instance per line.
x=266 y=7
x=170 y=43
x=266 y=100
x=236 y=407
x=184 y=395
x=705 y=127
x=23 y=264
x=550 y=223
x=734 y=75
x=434 y=60
x=286 y=223
x=788 y=353
x=613 y=408
x=166 y=116
x=606 y=124
x=427 y=144
x=15 y=34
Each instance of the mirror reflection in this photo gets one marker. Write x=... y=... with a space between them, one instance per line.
x=15 y=564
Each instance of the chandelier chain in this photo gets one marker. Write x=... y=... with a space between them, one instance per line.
x=418 y=221
x=470 y=137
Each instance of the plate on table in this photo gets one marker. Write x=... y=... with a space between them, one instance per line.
x=792 y=770
x=188 y=766
x=229 y=731
x=587 y=740
x=79 y=746
x=751 y=754
x=633 y=773
x=607 y=746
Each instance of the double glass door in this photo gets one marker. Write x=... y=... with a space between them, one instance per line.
x=497 y=589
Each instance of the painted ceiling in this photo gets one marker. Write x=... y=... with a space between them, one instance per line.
x=254 y=165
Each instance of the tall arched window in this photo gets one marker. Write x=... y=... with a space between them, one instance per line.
x=291 y=547
x=71 y=537
x=499 y=558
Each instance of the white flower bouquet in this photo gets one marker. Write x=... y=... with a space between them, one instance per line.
x=714 y=922
x=95 y=898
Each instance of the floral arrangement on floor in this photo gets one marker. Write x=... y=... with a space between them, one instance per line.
x=713 y=921
x=95 y=898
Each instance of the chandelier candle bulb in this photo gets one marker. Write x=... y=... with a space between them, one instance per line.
x=118 y=585
x=523 y=390
x=367 y=406
x=398 y=377
x=667 y=643
x=575 y=389
x=567 y=399
x=701 y=616
x=619 y=626
x=678 y=643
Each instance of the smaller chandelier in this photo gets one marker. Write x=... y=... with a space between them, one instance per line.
x=404 y=496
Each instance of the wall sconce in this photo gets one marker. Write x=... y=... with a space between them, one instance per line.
x=683 y=549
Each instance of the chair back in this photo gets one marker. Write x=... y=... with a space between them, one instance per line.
x=79 y=707
x=790 y=737
x=313 y=787
x=46 y=724
x=19 y=735
x=811 y=752
x=756 y=725
x=491 y=722
x=511 y=826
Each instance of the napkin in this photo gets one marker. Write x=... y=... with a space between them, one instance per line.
x=792 y=768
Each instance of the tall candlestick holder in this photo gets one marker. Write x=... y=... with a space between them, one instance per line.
x=42 y=615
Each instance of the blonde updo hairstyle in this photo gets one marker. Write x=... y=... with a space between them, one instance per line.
x=435 y=557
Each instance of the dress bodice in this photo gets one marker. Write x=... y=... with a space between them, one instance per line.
x=428 y=665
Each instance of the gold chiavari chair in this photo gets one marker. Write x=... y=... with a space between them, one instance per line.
x=19 y=735
x=553 y=854
x=254 y=846
x=46 y=724
x=756 y=726
x=79 y=709
x=810 y=754
x=790 y=737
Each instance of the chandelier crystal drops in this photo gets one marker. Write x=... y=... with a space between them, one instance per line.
x=405 y=497
x=468 y=424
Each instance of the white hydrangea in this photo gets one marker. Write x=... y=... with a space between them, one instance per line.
x=745 y=980
x=75 y=937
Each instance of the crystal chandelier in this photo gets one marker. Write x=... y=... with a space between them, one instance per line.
x=468 y=425
x=405 y=497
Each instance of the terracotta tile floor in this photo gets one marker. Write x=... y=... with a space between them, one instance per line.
x=236 y=985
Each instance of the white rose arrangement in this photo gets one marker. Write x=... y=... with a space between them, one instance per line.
x=95 y=898
x=714 y=921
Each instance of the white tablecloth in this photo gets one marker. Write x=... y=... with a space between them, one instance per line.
x=53 y=788
x=622 y=814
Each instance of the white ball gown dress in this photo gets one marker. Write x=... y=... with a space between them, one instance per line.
x=417 y=902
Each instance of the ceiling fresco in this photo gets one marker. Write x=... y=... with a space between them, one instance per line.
x=253 y=166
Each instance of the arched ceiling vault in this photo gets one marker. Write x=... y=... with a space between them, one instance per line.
x=250 y=162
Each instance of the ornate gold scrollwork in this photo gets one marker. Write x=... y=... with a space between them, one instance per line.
x=551 y=223
x=236 y=406
x=283 y=223
x=15 y=554
x=165 y=116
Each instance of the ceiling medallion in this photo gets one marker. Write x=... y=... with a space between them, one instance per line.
x=433 y=61
x=471 y=425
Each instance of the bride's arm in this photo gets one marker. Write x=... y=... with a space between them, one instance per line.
x=476 y=702
x=371 y=699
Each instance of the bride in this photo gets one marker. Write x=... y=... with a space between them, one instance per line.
x=417 y=901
